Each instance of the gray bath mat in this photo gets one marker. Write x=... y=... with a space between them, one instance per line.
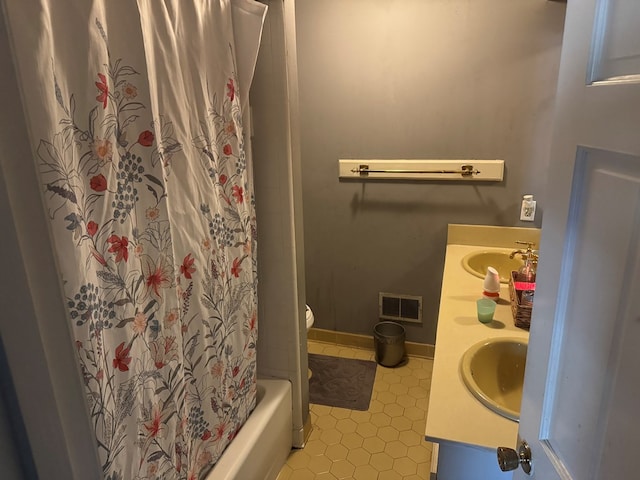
x=341 y=382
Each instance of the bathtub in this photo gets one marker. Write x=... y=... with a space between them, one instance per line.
x=263 y=444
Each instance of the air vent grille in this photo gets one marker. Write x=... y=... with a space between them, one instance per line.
x=400 y=307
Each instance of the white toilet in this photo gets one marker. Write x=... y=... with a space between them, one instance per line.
x=309 y=316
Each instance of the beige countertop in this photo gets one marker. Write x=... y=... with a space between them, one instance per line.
x=454 y=414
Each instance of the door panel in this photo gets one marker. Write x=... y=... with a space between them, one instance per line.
x=593 y=310
x=615 y=52
x=582 y=381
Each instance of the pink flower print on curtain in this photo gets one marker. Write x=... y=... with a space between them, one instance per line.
x=103 y=96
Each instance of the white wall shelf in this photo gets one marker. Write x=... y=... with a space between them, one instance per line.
x=467 y=170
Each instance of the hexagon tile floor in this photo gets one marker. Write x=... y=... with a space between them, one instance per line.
x=384 y=443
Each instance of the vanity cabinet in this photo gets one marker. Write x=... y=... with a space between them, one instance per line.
x=459 y=461
x=467 y=432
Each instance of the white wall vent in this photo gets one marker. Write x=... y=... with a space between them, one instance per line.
x=400 y=307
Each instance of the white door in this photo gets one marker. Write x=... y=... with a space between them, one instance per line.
x=581 y=403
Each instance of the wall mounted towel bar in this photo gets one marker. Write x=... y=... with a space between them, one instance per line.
x=460 y=170
x=466 y=171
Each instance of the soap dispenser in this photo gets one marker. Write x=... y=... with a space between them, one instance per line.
x=527 y=272
x=526 y=276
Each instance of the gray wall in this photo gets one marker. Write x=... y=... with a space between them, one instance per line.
x=415 y=79
x=13 y=446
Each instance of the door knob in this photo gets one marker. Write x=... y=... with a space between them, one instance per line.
x=509 y=459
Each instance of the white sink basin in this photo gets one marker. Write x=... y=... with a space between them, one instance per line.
x=476 y=263
x=493 y=371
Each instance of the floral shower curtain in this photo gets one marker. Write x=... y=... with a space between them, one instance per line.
x=137 y=126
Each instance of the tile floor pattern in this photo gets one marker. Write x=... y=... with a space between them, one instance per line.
x=384 y=443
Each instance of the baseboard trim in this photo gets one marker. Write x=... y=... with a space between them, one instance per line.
x=414 y=349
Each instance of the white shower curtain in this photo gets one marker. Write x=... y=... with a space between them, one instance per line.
x=137 y=125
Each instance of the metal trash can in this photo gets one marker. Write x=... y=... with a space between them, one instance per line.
x=388 y=338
